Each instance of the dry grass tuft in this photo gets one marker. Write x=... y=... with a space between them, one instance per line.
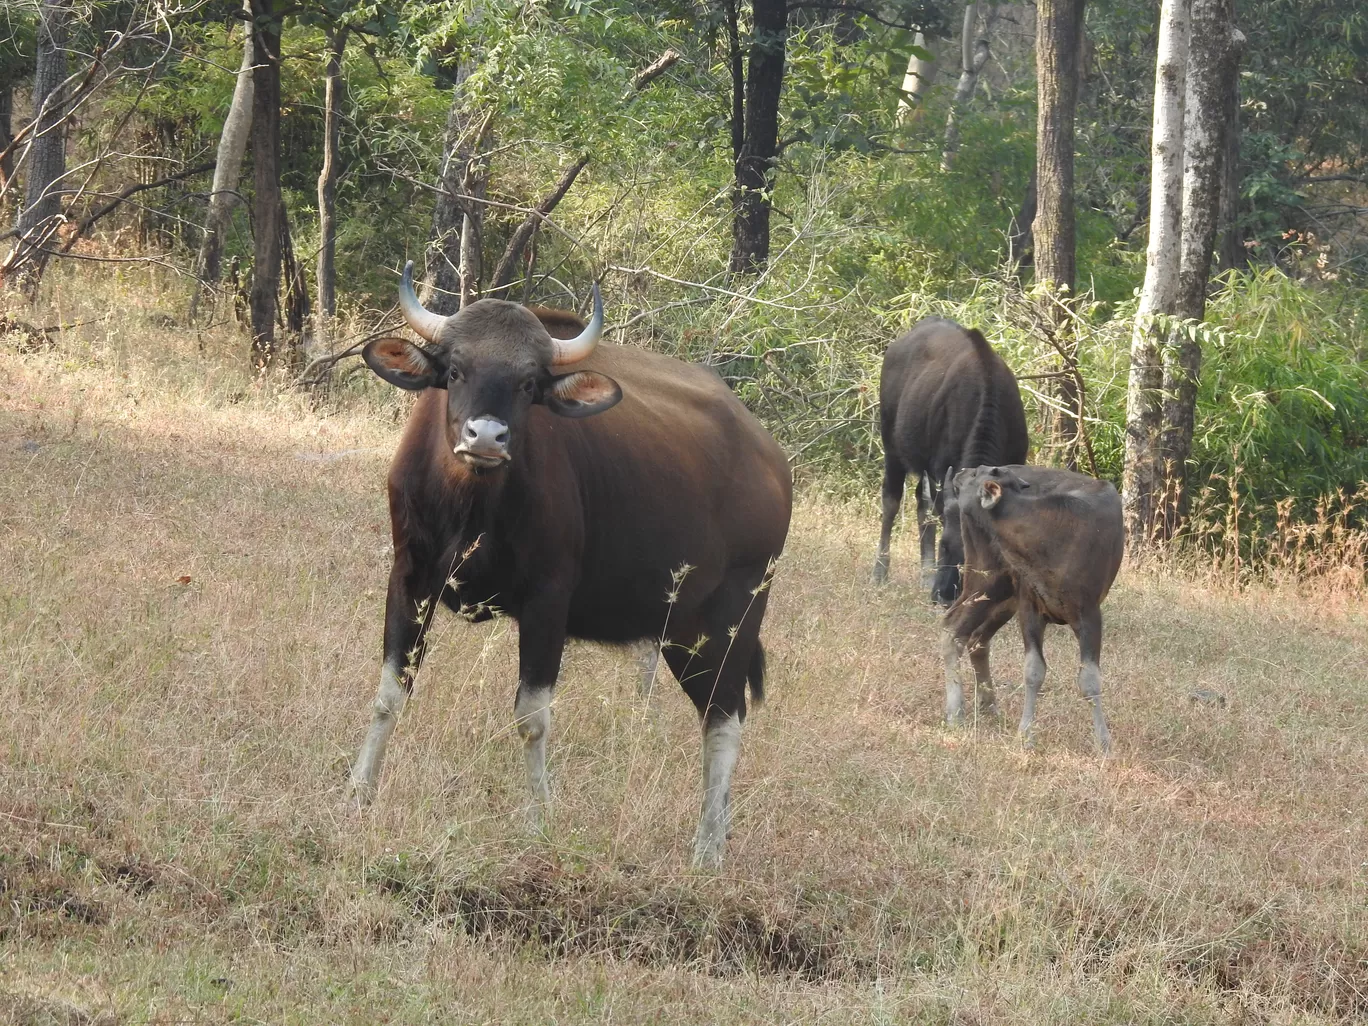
x=190 y=619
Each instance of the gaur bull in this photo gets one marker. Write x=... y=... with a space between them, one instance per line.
x=587 y=490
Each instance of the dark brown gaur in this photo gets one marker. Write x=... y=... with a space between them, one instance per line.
x=587 y=490
x=946 y=399
x=1042 y=544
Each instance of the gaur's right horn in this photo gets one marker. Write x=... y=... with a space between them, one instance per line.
x=420 y=319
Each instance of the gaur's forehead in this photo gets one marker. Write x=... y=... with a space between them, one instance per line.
x=501 y=330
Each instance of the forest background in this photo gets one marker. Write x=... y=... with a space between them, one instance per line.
x=775 y=189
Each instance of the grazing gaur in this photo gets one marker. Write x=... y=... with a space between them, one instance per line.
x=946 y=399
x=1040 y=543
x=588 y=491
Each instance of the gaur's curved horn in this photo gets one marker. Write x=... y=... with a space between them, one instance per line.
x=420 y=319
x=573 y=350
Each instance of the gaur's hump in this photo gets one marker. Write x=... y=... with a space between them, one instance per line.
x=559 y=323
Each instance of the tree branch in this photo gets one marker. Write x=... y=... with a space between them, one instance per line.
x=131 y=190
x=503 y=273
x=654 y=70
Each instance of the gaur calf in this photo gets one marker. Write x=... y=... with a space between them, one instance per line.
x=1042 y=544
x=946 y=399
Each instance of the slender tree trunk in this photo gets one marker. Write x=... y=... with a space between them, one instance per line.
x=266 y=203
x=522 y=235
x=1232 y=252
x=474 y=183
x=737 y=63
x=1144 y=472
x=1059 y=24
x=294 y=309
x=327 y=187
x=760 y=147
x=6 y=137
x=1213 y=55
x=41 y=214
x=972 y=59
x=1021 y=233
x=232 y=147
x=453 y=255
x=921 y=73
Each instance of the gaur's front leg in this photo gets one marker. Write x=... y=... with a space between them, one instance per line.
x=984 y=693
x=541 y=640
x=414 y=584
x=1033 y=641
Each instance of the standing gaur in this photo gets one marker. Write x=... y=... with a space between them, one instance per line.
x=946 y=399
x=588 y=491
x=1042 y=544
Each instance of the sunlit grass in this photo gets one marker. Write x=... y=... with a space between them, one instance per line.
x=173 y=847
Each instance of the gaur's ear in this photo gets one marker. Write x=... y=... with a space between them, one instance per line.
x=402 y=363
x=948 y=487
x=990 y=492
x=581 y=394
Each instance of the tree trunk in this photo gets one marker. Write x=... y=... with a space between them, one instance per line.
x=921 y=72
x=1231 y=255
x=973 y=58
x=266 y=204
x=1021 y=233
x=1058 y=26
x=1144 y=473
x=232 y=147
x=295 y=307
x=1213 y=55
x=522 y=235
x=327 y=187
x=453 y=255
x=737 y=63
x=6 y=137
x=760 y=146
x=41 y=214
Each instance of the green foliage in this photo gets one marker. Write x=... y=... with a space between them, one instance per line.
x=870 y=232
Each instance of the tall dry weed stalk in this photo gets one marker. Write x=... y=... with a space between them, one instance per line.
x=1324 y=556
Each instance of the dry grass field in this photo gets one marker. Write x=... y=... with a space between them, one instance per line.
x=192 y=574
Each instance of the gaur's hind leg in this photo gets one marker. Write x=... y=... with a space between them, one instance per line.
x=1032 y=640
x=893 y=480
x=414 y=586
x=710 y=655
x=1088 y=630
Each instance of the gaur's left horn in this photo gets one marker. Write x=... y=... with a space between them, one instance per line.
x=420 y=318
x=573 y=350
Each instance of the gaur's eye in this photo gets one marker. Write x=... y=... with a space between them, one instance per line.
x=529 y=386
x=455 y=376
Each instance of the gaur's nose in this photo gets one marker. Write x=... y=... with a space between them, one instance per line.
x=485 y=438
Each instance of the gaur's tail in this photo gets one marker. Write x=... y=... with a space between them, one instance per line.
x=983 y=444
x=755 y=674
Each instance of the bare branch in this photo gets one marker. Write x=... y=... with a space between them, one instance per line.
x=503 y=273
x=128 y=191
x=654 y=70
